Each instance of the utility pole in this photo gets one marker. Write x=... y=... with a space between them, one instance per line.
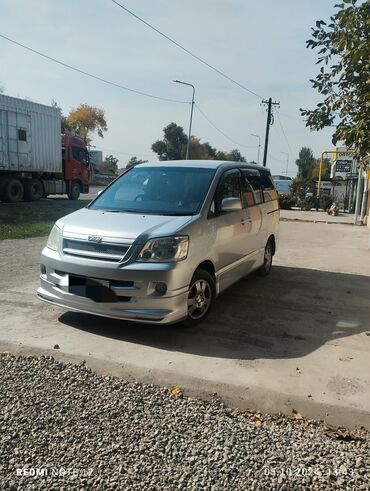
x=191 y=115
x=269 y=122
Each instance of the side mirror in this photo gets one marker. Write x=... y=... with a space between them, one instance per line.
x=231 y=204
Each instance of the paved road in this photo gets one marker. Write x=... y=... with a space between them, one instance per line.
x=296 y=339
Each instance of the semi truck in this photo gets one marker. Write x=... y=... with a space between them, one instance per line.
x=35 y=158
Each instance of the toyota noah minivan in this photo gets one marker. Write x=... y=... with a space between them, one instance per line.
x=162 y=241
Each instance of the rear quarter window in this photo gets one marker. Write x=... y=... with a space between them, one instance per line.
x=254 y=179
x=269 y=191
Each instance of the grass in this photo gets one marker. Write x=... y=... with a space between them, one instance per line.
x=34 y=219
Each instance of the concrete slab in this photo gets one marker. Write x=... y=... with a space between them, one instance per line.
x=299 y=338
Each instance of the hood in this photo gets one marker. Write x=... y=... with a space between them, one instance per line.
x=119 y=225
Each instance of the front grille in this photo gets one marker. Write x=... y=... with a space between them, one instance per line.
x=105 y=251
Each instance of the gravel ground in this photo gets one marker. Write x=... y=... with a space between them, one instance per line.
x=84 y=431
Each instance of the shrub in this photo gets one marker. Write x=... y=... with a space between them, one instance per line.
x=285 y=202
x=325 y=201
x=307 y=203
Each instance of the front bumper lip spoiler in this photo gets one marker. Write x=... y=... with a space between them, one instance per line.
x=158 y=316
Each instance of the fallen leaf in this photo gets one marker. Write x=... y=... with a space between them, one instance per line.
x=342 y=434
x=296 y=414
x=250 y=410
x=258 y=420
x=175 y=391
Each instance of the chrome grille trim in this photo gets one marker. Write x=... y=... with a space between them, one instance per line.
x=107 y=249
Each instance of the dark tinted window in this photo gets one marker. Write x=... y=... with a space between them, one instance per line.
x=22 y=135
x=269 y=192
x=157 y=190
x=247 y=193
x=254 y=178
x=80 y=154
x=228 y=187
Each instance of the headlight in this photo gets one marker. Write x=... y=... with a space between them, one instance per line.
x=53 y=240
x=165 y=249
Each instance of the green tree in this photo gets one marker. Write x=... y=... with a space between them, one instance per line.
x=198 y=150
x=300 y=192
x=109 y=164
x=325 y=171
x=305 y=163
x=211 y=151
x=173 y=145
x=85 y=120
x=134 y=161
x=344 y=55
x=236 y=156
x=233 y=156
x=64 y=123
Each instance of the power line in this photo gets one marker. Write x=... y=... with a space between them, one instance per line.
x=220 y=131
x=223 y=74
x=96 y=77
x=283 y=132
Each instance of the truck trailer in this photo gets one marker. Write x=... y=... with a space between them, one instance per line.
x=35 y=158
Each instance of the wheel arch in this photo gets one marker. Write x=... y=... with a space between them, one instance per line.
x=208 y=266
x=79 y=182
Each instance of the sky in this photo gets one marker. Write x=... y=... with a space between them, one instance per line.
x=259 y=44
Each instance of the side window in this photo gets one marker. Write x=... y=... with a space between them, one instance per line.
x=22 y=135
x=254 y=179
x=247 y=192
x=80 y=154
x=269 y=192
x=228 y=187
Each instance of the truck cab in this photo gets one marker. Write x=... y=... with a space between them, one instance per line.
x=76 y=165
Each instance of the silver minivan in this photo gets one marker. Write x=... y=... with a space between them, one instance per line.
x=162 y=241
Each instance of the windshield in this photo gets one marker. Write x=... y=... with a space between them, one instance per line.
x=157 y=191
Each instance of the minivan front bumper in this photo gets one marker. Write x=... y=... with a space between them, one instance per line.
x=133 y=287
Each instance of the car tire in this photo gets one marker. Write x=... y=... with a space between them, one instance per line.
x=75 y=191
x=33 y=189
x=265 y=269
x=201 y=294
x=13 y=191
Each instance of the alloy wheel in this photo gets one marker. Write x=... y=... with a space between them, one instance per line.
x=199 y=299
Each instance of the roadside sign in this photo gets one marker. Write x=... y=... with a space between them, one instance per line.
x=343 y=164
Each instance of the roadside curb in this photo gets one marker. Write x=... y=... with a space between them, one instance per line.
x=283 y=219
x=233 y=395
